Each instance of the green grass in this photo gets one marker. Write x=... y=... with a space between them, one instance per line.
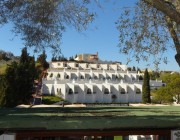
x=91 y=118
x=50 y=99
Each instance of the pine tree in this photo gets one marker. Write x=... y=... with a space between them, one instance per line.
x=146 y=88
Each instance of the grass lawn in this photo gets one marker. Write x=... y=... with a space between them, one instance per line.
x=91 y=118
x=48 y=100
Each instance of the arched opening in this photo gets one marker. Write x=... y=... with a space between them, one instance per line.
x=106 y=91
x=58 y=75
x=122 y=91
x=67 y=76
x=82 y=77
x=138 y=91
x=89 y=91
x=70 y=91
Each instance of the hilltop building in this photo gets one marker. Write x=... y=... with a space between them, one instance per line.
x=94 y=82
x=87 y=57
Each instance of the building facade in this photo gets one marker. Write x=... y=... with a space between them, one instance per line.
x=94 y=82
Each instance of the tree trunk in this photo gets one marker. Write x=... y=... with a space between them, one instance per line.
x=175 y=39
x=166 y=8
x=177 y=57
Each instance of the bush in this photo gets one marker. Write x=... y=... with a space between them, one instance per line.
x=51 y=99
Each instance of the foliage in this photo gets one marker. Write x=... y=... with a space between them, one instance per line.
x=146 y=88
x=3 y=68
x=41 y=23
x=175 y=89
x=18 y=81
x=51 y=99
x=154 y=75
x=133 y=68
x=42 y=60
x=171 y=91
x=71 y=58
x=6 y=55
x=148 y=30
x=162 y=95
x=59 y=58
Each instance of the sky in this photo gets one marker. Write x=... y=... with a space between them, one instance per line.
x=101 y=36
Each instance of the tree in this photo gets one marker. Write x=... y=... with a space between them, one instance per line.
x=162 y=95
x=175 y=88
x=154 y=75
x=133 y=68
x=18 y=81
x=146 y=88
x=42 y=60
x=149 y=29
x=9 y=96
x=42 y=22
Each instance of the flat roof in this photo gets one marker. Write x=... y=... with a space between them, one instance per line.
x=101 y=118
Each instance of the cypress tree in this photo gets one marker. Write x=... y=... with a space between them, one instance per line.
x=42 y=60
x=18 y=81
x=146 y=88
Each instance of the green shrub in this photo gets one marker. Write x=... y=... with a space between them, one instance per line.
x=51 y=99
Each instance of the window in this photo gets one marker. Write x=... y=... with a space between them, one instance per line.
x=89 y=91
x=123 y=91
x=59 y=64
x=67 y=76
x=95 y=77
x=58 y=75
x=70 y=91
x=106 y=91
x=108 y=78
x=51 y=75
x=77 y=65
x=138 y=91
x=65 y=65
x=76 y=90
x=82 y=77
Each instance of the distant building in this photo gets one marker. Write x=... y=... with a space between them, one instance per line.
x=87 y=57
x=96 y=82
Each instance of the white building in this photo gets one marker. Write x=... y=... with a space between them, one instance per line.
x=94 y=82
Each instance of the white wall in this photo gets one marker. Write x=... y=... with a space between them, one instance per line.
x=51 y=86
x=8 y=136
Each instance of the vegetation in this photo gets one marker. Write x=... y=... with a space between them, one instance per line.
x=6 y=55
x=42 y=61
x=154 y=75
x=41 y=23
x=18 y=81
x=3 y=68
x=103 y=117
x=150 y=28
x=146 y=88
x=162 y=95
x=170 y=92
x=51 y=99
x=59 y=58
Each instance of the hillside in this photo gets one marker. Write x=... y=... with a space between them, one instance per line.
x=5 y=59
